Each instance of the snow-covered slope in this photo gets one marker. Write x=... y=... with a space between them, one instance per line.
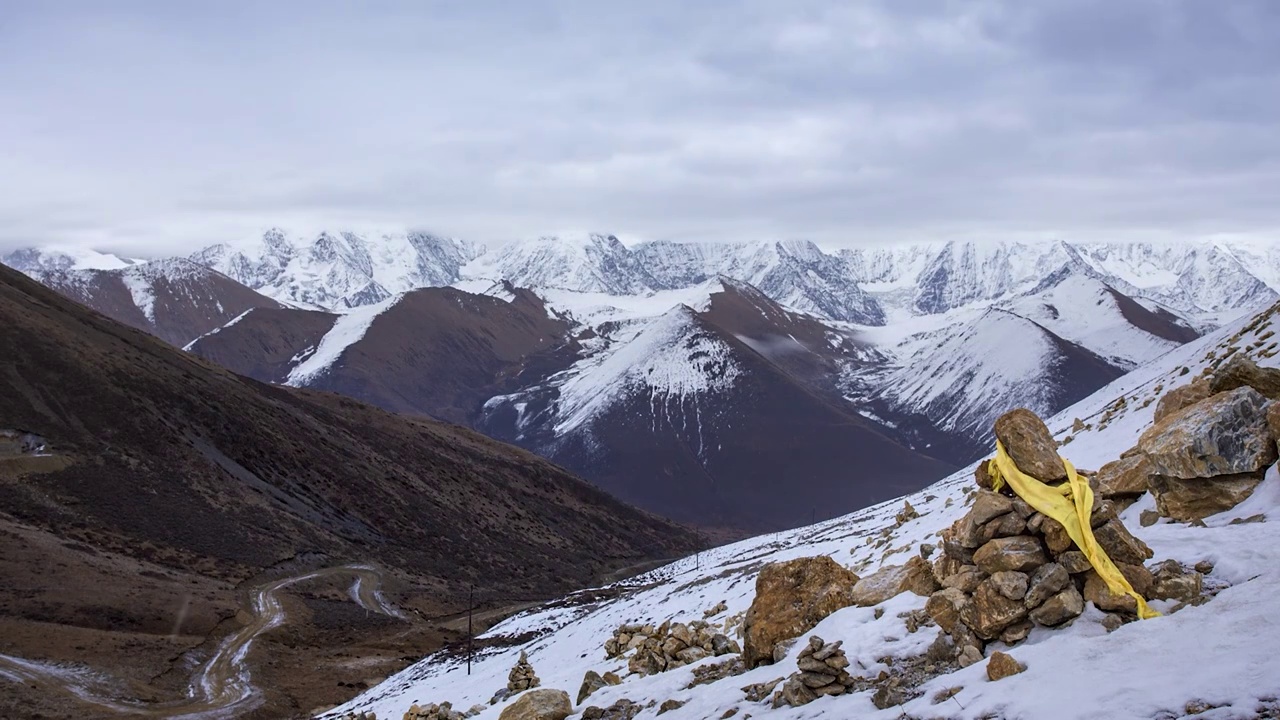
x=957 y=377
x=1219 y=655
x=337 y=271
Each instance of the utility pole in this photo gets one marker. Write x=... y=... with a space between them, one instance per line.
x=471 y=604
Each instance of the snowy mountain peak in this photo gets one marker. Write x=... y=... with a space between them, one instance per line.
x=587 y=263
x=32 y=259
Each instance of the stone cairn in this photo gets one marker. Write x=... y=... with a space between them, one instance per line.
x=822 y=672
x=1006 y=568
x=522 y=677
x=443 y=711
x=668 y=646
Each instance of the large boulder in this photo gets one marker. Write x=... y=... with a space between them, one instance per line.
x=915 y=576
x=539 y=705
x=1022 y=553
x=1032 y=447
x=1240 y=371
x=1182 y=397
x=791 y=598
x=1190 y=500
x=1226 y=434
x=1124 y=478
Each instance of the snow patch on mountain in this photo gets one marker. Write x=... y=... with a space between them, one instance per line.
x=672 y=360
x=347 y=330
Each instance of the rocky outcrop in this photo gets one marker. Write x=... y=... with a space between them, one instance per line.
x=1182 y=397
x=668 y=646
x=791 y=598
x=522 y=676
x=1208 y=457
x=539 y=705
x=822 y=672
x=915 y=576
x=1240 y=372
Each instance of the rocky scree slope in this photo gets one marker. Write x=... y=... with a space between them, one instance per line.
x=870 y=581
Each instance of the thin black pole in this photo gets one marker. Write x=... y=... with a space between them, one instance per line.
x=471 y=603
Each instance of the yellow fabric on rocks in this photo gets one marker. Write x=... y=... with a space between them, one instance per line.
x=1072 y=505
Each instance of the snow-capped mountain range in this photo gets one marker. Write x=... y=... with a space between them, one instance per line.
x=690 y=344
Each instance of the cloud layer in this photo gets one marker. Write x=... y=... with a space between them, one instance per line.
x=155 y=126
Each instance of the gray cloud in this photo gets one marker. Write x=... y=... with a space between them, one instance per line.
x=153 y=127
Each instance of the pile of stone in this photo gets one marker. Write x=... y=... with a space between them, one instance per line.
x=522 y=676
x=623 y=709
x=668 y=646
x=443 y=711
x=1006 y=568
x=822 y=672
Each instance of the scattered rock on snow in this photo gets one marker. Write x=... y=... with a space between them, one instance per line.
x=1001 y=665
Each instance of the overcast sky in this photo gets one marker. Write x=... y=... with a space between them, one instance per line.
x=153 y=127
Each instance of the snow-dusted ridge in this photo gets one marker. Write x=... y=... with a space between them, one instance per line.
x=1221 y=653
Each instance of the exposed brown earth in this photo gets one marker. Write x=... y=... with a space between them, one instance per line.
x=176 y=487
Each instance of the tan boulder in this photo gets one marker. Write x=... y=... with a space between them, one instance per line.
x=1126 y=477
x=1011 y=584
x=1182 y=397
x=1240 y=371
x=988 y=506
x=1032 y=447
x=988 y=612
x=1197 y=499
x=1226 y=434
x=1022 y=553
x=791 y=598
x=966 y=579
x=539 y=705
x=915 y=576
x=944 y=607
x=1001 y=666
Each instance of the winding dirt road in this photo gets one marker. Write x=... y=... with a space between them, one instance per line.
x=222 y=686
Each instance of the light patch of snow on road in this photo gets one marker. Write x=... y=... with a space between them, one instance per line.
x=347 y=330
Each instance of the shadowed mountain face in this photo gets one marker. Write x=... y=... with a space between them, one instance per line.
x=172 y=478
x=176 y=300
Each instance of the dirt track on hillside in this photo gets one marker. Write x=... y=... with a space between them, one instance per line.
x=221 y=687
